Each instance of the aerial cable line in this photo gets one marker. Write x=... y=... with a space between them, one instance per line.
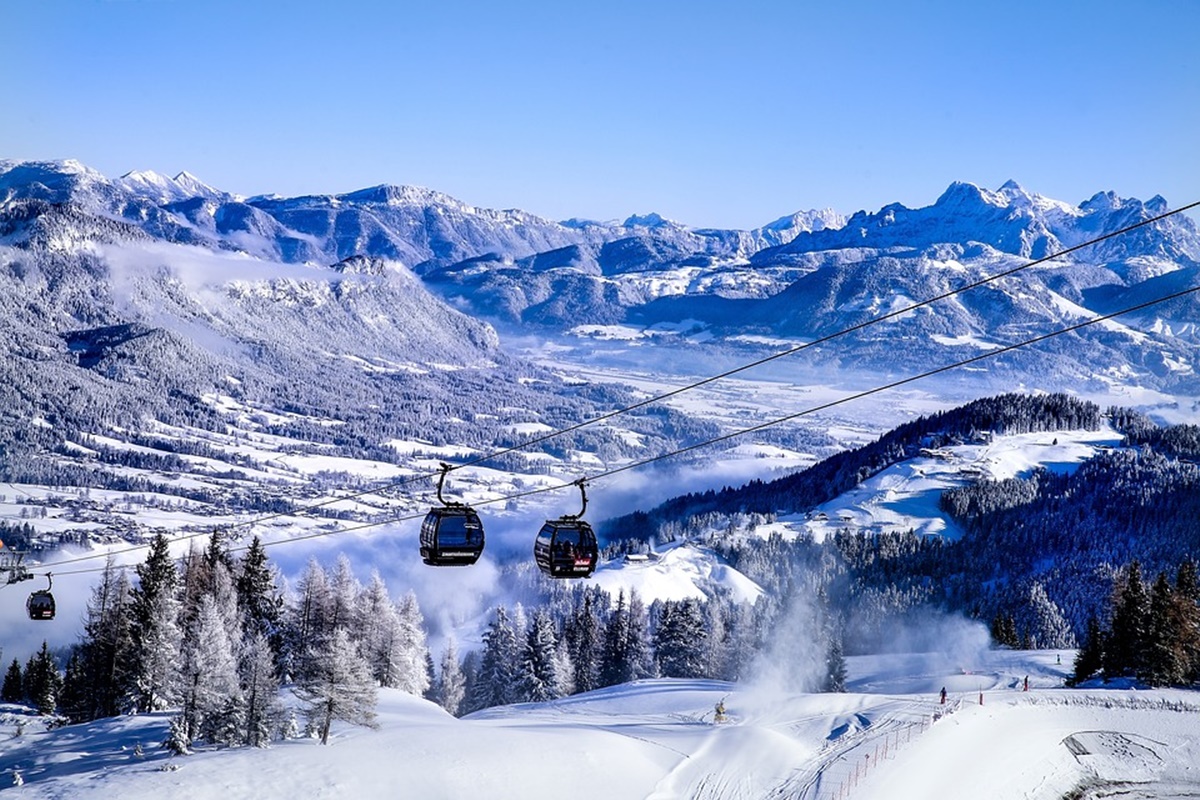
x=715 y=440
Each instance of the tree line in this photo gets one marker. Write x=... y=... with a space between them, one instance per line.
x=1152 y=634
x=214 y=639
x=973 y=422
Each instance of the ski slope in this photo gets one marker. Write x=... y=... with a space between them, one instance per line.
x=888 y=737
x=905 y=496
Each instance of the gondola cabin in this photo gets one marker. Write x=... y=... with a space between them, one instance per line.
x=451 y=536
x=566 y=548
x=40 y=605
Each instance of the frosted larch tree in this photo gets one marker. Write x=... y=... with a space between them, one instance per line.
x=338 y=686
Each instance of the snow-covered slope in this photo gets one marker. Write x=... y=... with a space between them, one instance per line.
x=676 y=572
x=888 y=737
x=905 y=496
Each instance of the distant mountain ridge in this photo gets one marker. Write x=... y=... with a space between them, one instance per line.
x=419 y=227
x=804 y=490
x=799 y=277
x=1010 y=220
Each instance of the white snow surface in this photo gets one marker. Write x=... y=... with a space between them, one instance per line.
x=906 y=495
x=888 y=737
x=675 y=573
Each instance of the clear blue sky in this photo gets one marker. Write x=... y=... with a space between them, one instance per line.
x=715 y=114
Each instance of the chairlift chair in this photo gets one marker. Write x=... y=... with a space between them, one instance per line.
x=451 y=535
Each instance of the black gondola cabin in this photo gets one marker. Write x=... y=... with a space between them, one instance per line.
x=566 y=548
x=451 y=536
x=40 y=605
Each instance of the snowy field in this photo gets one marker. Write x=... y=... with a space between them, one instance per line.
x=889 y=737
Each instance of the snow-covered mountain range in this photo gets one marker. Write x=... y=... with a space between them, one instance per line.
x=802 y=276
x=421 y=228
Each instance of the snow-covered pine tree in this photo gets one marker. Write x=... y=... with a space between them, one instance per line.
x=217 y=552
x=1187 y=598
x=1090 y=658
x=307 y=619
x=835 y=665
x=177 y=741
x=338 y=686
x=392 y=639
x=410 y=652
x=228 y=725
x=13 y=690
x=614 y=663
x=640 y=649
x=472 y=664
x=209 y=675
x=451 y=683
x=199 y=574
x=103 y=683
x=259 y=598
x=627 y=654
x=1164 y=663
x=744 y=644
x=1126 y=644
x=538 y=679
x=42 y=681
x=495 y=685
x=223 y=591
x=1046 y=624
x=343 y=594
x=73 y=702
x=585 y=636
x=431 y=690
x=290 y=727
x=1004 y=630
x=193 y=580
x=680 y=642
x=375 y=629
x=260 y=689
x=155 y=629
x=520 y=623
x=718 y=646
x=565 y=668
